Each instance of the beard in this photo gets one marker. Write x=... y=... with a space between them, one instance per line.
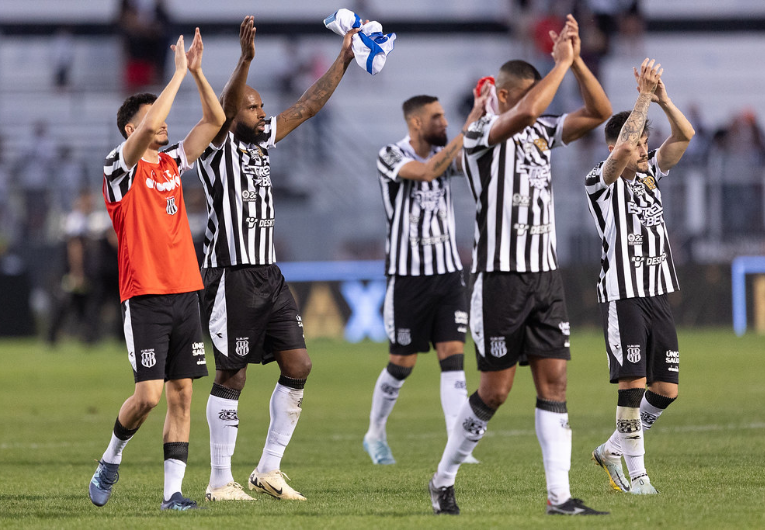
x=439 y=140
x=249 y=135
x=163 y=142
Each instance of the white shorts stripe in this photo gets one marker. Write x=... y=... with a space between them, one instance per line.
x=614 y=335
x=219 y=318
x=127 y=326
x=476 y=314
x=390 y=324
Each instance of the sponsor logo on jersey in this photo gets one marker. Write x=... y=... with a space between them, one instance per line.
x=148 y=359
x=460 y=317
x=428 y=200
x=253 y=222
x=521 y=228
x=647 y=215
x=541 y=144
x=250 y=195
x=639 y=261
x=633 y=353
x=539 y=177
x=260 y=174
x=404 y=336
x=521 y=200
x=171 y=181
x=263 y=181
x=428 y=241
x=498 y=346
x=242 y=346
x=635 y=239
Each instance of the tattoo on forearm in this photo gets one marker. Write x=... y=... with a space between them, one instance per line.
x=318 y=94
x=633 y=127
x=448 y=154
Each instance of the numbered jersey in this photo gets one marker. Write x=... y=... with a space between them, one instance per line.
x=636 y=260
x=145 y=202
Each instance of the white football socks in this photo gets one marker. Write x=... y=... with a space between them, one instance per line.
x=174 y=472
x=631 y=434
x=554 y=435
x=223 y=421
x=384 y=398
x=453 y=396
x=285 y=408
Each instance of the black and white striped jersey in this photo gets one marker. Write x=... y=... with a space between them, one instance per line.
x=240 y=206
x=512 y=188
x=636 y=259
x=421 y=237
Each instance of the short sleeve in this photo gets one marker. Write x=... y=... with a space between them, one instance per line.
x=178 y=153
x=595 y=185
x=653 y=163
x=115 y=168
x=552 y=128
x=477 y=134
x=270 y=134
x=390 y=160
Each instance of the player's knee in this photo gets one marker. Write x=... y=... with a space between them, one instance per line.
x=494 y=397
x=146 y=402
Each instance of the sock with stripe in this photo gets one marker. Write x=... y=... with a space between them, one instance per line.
x=554 y=435
x=384 y=398
x=223 y=421
x=285 y=407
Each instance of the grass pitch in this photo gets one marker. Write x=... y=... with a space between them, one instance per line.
x=705 y=455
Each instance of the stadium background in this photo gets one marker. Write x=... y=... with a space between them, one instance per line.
x=54 y=133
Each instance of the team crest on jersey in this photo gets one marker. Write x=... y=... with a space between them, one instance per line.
x=498 y=346
x=148 y=359
x=404 y=336
x=242 y=346
x=171 y=207
x=633 y=353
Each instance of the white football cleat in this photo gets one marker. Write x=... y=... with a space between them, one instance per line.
x=273 y=483
x=642 y=486
x=612 y=466
x=233 y=491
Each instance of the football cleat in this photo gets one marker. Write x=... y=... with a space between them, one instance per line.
x=273 y=484
x=642 y=486
x=378 y=451
x=442 y=499
x=232 y=491
x=100 y=487
x=178 y=503
x=613 y=468
x=571 y=507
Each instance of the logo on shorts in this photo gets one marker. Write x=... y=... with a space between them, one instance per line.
x=299 y=321
x=404 y=337
x=565 y=328
x=148 y=359
x=171 y=208
x=633 y=353
x=461 y=317
x=198 y=349
x=498 y=346
x=242 y=346
x=673 y=358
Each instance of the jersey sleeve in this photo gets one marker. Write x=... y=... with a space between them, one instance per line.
x=653 y=163
x=477 y=135
x=552 y=129
x=596 y=187
x=390 y=160
x=115 y=169
x=178 y=153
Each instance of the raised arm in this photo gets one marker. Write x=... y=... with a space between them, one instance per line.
x=435 y=167
x=234 y=89
x=597 y=107
x=632 y=130
x=318 y=94
x=538 y=98
x=142 y=136
x=213 y=116
x=681 y=130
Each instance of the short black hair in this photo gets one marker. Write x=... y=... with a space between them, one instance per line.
x=615 y=124
x=521 y=70
x=130 y=108
x=415 y=103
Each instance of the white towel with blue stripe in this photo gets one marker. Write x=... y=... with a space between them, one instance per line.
x=370 y=46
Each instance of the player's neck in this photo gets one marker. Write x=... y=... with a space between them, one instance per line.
x=628 y=175
x=420 y=146
x=151 y=155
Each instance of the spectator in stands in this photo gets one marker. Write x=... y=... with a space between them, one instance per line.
x=145 y=27
x=69 y=179
x=31 y=172
x=62 y=57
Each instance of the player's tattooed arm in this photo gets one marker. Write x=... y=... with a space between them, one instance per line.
x=312 y=101
x=633 y=128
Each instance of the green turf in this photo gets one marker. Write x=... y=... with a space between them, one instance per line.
x=705 y=455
